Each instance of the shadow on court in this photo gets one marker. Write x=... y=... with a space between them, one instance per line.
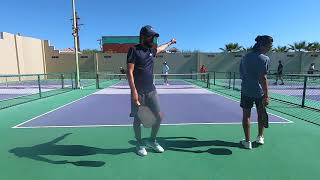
x=178 y=144
x=38 y=152
x=185 y=144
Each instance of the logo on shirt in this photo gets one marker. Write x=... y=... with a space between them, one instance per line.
x=150 y=54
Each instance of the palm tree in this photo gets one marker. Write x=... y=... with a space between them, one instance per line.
x=316 y=46
x=280 y=49
x=174 y=50
x=298 y=46
x=231 y=47
x=247 y=49
x=313 y=47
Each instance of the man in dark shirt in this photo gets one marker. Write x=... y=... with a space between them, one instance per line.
x=254 y=86
x=140 y=61
x=123 y=72
x=279 y=74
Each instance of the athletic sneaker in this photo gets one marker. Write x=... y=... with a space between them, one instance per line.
x=275 y=83
x=155 y=146
x=246 y=144
x=141 y=150
x=260 y=140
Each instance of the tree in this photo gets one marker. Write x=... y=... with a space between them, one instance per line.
x=247 y=49
x=231 y=47
x=313 y=47
x=281 y=49
x=90 y=51
x=174 y=50
x=298 y=46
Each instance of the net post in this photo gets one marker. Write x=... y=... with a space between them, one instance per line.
x=62 y=80
x=39 y=85
x=304 y=91
x=97 y=81
x=230 y=76
x=214 y=78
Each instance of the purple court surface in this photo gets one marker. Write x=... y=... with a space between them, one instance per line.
x=9 y=96
x=181 y=103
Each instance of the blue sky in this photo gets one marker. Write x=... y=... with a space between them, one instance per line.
x=204 y=25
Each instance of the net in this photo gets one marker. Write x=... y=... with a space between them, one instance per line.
x=161 y=81
x=297 y=89
x=18 y=89
x=223 y=79
x=87 y=79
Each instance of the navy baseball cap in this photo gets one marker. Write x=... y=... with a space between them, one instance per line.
x=148 y=31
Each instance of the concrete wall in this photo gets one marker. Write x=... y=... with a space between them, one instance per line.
x=308 y=58
x=178 y=63
x=294 y=62
x=8 y=59
x=21 y=55
x=25 y=55
x=111 y=62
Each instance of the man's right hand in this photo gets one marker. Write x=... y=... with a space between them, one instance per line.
x=135 y=98
x=265 y=101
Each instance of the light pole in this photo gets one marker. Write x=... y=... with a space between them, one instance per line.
x=100 y=44
x=75 y=36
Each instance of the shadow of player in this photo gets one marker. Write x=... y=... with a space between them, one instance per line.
x=185 y=144
x=38 y=152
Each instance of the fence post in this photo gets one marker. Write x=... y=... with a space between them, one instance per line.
x=76 y=82
x=208 y=80
x=304 y=91
x=62 y=81
x=7 y=82
x=97 y=81
x=234 y=80
x=39 y=85
x=214 y=78
x=71 y=76
x=230 y=76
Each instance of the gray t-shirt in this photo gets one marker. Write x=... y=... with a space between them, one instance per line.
x=252 y=67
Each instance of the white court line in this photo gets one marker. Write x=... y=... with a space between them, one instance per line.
x=87 y=126
x=130 y=125
x=17 y=126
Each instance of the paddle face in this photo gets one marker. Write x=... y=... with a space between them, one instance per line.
x=146 y=116
x=88 y=163
x=265 y=118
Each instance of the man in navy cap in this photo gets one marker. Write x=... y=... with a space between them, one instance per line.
x=140 y=61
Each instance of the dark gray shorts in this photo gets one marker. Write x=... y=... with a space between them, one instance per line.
x=247 y=102
x=150 y=99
